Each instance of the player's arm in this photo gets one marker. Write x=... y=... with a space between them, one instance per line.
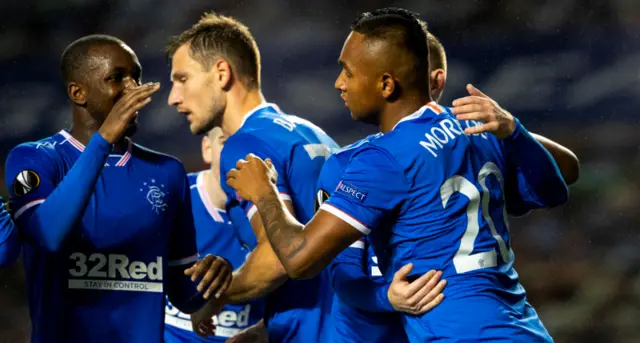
x=304 y=250
x=355 y=287
x=350 y=276
x=566 y=160
x=9 y=240
x=183 y=292
x=538 y=178
x=32 y=176
x=256 y=333
x=262 y=272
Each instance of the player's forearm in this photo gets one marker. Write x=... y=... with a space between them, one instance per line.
x=567 y=161
x=285 y=235
x=358 y=290
x=536 y=168
x=9 y=240
x=183 y=292
x=260 y=275
x=56 y=216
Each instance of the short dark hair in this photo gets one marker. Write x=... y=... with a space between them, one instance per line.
x=402 y=28
x=221 y=36
x=75 y=55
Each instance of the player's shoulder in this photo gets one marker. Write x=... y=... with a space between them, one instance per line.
x=41 y=149
x=193 y=178
x=268 y=121
x=157 y=158
x=343 y=155
x=431 y=119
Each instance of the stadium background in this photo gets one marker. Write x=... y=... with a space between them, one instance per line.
x=569 y=69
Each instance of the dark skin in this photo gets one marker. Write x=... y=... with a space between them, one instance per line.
x=110 y=72
x=375 y=82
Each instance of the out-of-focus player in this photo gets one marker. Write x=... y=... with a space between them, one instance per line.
x=106 y=224
x=216 y=82
x=215 y=235
x=9 y=240
x=430 y=190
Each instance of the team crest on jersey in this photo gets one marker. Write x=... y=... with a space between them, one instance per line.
x=156 y=196
x=25 y=182
x=351 y=191
x=321 y=197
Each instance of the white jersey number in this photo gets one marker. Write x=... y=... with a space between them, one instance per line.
x=464 y=261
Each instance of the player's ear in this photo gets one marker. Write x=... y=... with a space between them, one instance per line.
x=206 y=150
x=223 y=73
x=387 y=86
x=77 y=93
x=437 y=80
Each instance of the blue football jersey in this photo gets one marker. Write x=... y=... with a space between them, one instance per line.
x=350 y=324
x=9 y=240
x=435 y=197
x=214 y=235
x=299 y=310
x=105 y=281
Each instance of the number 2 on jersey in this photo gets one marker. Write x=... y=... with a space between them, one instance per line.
x=464 y=261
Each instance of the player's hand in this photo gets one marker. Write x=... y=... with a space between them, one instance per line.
x=419 y=296
x=480 y=107
x=215 y=274
x=202 y=320
x=125 y=110
x=254 y=334
x=252 y=178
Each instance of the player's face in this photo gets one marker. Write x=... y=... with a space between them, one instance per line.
x=212 y=148
x=112 y=70
x=357 y=81
x=196 y=93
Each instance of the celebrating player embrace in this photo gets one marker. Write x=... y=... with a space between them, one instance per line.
x=423 y=191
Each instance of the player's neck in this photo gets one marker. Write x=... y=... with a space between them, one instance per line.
x=239 y=103
x=396 y=111
x=214 y=191
x=84 y=126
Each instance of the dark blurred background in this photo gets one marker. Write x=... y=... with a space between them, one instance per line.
x=569 y=69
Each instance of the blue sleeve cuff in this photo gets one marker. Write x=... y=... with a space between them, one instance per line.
x=383 y=298
x=99 y=143
x=519 y=129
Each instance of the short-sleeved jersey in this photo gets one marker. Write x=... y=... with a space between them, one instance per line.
x=433 y=196
x=105 y=282
x=214 y=235
x=350 y=324
x=298 y=310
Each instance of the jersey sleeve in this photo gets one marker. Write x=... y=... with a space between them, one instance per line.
x=182 y=251
x=32 y=176
x=348 y=270
x=9 y=240
x=534 y=179
x=327 y=181
x=238 y=147
x=182 y=244
x=372 y=187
